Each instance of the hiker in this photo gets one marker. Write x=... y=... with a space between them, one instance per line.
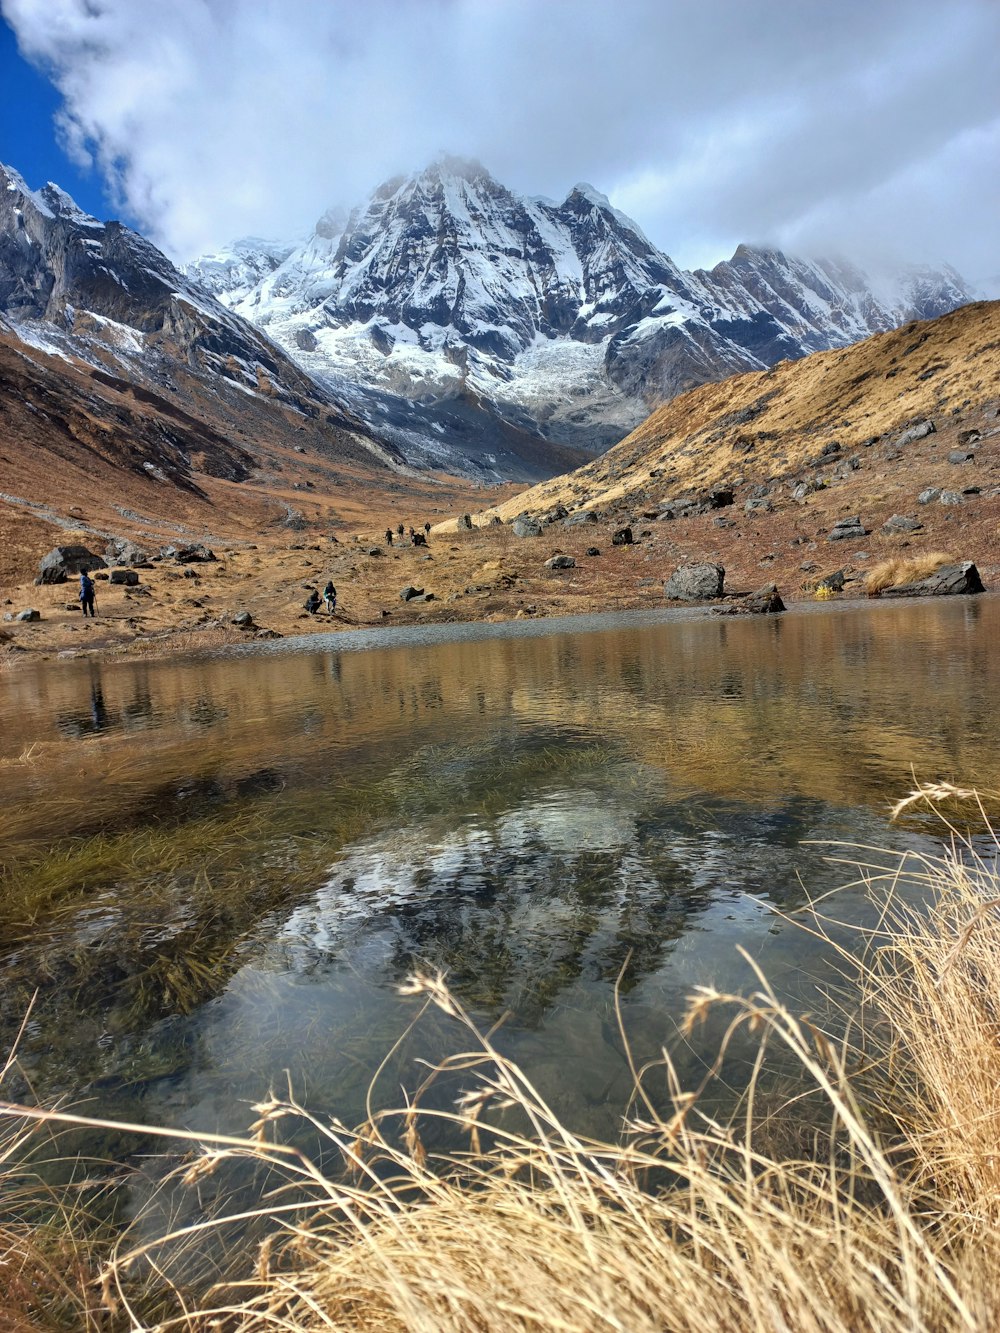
x=399 y=530
x=427 y=529
x=86 y=594
x=388 y=536
x=313 y=602
x=330 y=597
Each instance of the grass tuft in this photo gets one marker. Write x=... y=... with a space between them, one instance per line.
x=898 y=571
x=866 y=1197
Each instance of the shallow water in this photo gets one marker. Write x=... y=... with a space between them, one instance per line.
x=216 y=873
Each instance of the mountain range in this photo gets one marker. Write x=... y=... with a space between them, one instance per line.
x=484 y=332
x=449 y=323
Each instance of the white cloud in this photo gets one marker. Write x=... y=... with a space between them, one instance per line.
x=866 y=126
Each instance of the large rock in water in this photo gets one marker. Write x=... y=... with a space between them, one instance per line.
x=948 y=581
x=62 y=561
x=694 y=583
x=764 y=602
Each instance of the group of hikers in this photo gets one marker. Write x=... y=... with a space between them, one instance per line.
x=418 y=539
x=329 y=599
x=329 y=595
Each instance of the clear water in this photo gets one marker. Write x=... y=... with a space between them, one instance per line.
x=216 y=873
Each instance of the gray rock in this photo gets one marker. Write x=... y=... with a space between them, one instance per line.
x=948 y=581
x=901 y=523
x=622 y=537
x=121 y=551
x=695 y=583
x=846 y=528
x=408 y=593
x=464 y=524
x=720 y=498
x=959 y=456
x=62 y=561
x=28 y=615
x=917 y=432
x=951 y=498
x=929 y=496
x=760 y=504
x=593 y=550
x=526 y=526
x=196 y=554
x=584 y=516
x=128 y=577
x=244 y=619
x=833 y=582
x=561 y=562
x=765 y=601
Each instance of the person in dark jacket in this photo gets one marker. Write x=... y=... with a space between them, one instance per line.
x=330 y=597
x=86 y=594
x=313 y=602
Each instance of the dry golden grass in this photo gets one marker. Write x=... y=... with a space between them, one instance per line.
x=880 y=1213
x=900 y=570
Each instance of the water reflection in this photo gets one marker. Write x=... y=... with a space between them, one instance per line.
x=250 y=855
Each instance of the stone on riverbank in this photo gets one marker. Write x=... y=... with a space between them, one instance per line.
x=695 y=583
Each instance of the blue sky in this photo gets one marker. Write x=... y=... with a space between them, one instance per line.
x=867 y=130
x=28 y=105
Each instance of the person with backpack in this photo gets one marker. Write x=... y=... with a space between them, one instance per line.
x=87 y=594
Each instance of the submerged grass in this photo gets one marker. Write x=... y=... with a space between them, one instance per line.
x=875 y=1209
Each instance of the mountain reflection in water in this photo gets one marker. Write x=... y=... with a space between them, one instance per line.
x=218 y=870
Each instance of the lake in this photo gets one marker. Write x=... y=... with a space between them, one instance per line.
x=216 y=873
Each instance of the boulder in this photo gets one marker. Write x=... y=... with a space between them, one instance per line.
x=622 y=537
x=948 y=581
x=846 y=528
x=929 y=496
x=765 y=601
x=917 y=432
x=187 y=555
x=561 y=562
x=62 y=561
x=464 y=524
x=593 y=550
x=694 y=583
x=901 y=523
x=951 y=498
x=584 y=516
x=28 y=615
x=121 y=551
x=526 y=526
x=720 y=498
x=833 y=582
x=243 y=619
x=959 y=456
x=128 y=577
x=758 y=504
x=408 y=593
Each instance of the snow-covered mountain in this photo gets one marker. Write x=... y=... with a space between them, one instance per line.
x=486 y=331
x=101 y=294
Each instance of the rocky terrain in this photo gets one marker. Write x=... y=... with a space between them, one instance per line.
x=506 y=337
x=763 y=474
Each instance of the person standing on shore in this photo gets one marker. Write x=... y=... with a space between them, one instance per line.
x=330 y=597
x=87 y=594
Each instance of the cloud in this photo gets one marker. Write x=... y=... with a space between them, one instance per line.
x=872 y=128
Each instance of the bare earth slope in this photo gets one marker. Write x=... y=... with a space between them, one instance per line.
x=813 y=441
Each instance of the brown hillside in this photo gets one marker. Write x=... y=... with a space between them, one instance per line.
x=770 y=426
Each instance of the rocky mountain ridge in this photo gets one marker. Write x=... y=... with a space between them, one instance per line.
x=468 y=316
x=101 y=295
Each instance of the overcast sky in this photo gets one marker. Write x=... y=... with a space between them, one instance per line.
x=867 y=127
